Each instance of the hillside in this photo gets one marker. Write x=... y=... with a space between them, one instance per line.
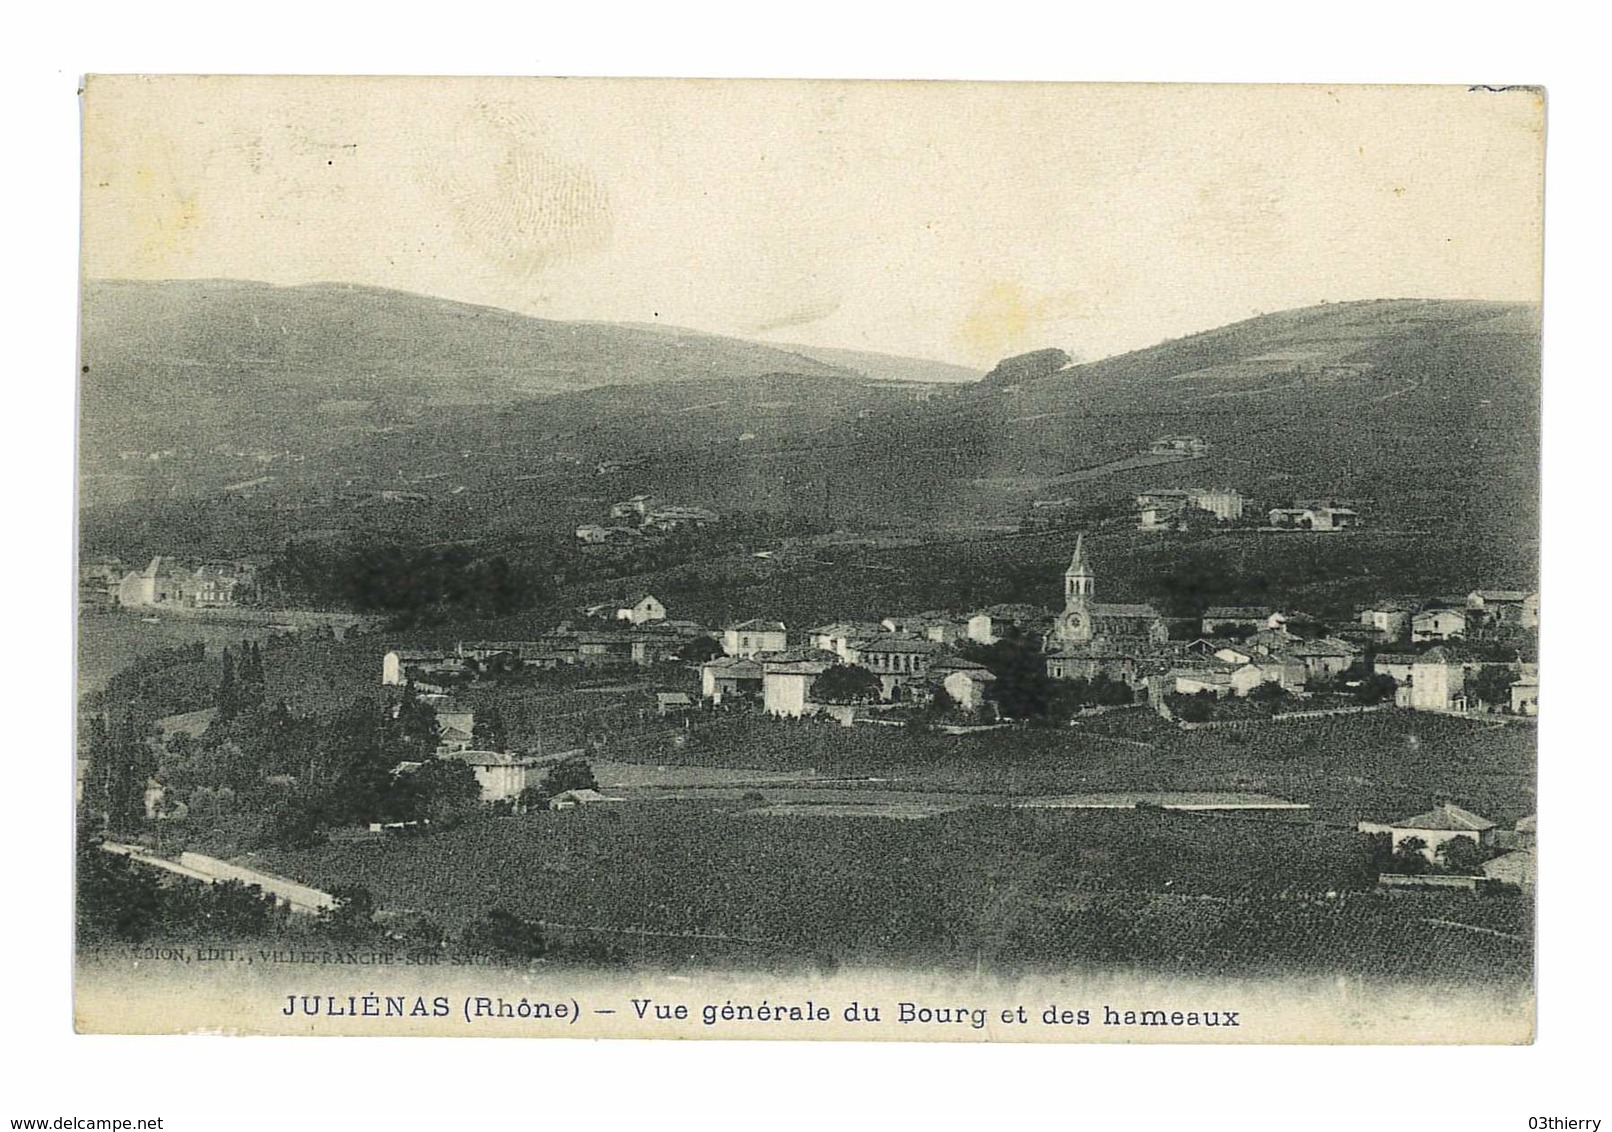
x=204 y=363
x=1424 y=414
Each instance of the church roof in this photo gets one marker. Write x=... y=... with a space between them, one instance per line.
x=1123 y=609
x=1077 y=564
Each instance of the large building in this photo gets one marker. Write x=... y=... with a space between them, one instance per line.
x=1085 y=620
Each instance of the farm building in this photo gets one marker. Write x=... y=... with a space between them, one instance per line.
x=1442 y=823
x=729 y=677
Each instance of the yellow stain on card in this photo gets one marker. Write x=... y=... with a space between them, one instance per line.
x=1002 y=319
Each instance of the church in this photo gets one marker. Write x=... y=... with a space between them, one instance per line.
x=1090 y=636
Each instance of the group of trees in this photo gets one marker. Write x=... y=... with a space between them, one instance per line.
x=1024 y=690
x=120 y=762
x=574 y=773
x=119 y=900
x=1458 y=856
x=413 y=582
x=370 y=765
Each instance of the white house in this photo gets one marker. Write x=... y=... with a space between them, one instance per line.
x=1525 y=696
x=501 y=776
x=1388 y=618
x=1442 y=823
x=786 y=686
x=642 y=608
x=1438 y=625
x=837 y=637
x=1437 y=682
x=748 y=638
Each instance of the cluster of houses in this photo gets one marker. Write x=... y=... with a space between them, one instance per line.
x=1165 y=509
x=633 y=519
x=103 y=582
x=1174 y=509
x=503 y=776
x=1238 y=650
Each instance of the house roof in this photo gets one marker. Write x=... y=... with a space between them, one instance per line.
x=1093 y=650
x=958 y=664
x=1124 y=609
x=1014 y=611
x=487 y=758
x=1259 y=611
x=735 y=667
x=889 y=643
x=796 y=667
x=1428 y=614
x=1501 y=595
x=669 y=698
x=1440 y=654
x=849 y=629
x=420 y=654
x=1447 y=817
x=1202 y=675
x=1323 y=646
x=1396 y=658
x=759 y=625
x=582 y=795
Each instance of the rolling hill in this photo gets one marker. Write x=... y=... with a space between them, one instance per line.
x=1423 y=413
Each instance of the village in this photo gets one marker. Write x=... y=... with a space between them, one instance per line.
x=1463 y=656
x=627 y=709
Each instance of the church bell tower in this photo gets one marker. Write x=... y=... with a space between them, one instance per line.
x=1078 y=580
x=1074 y=626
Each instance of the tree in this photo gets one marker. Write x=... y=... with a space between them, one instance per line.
x=847 y=684
x=1268 y=692
x=1409 y=857
x=1461 y=855
x=700 y=650
x=1022 y=688
x=116 y=899
x=1378 y=687
x=1199 y=708
x=445 y=791
x=351 y=918
x=229 y=694
x=1028 y=367
x=505 y=933
x=1492 y=684
x=570 y=774
x=489 y=733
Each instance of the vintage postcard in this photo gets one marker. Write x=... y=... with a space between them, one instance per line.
x=775 y=560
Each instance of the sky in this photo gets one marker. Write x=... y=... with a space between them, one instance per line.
x=959 y=222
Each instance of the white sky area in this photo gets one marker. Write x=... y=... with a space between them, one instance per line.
x=961 y=222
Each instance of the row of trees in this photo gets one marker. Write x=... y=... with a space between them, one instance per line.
x=1458 y=856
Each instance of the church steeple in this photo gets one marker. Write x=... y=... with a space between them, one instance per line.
x=1078 y=581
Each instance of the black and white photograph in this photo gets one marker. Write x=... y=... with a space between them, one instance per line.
x=791 y=560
